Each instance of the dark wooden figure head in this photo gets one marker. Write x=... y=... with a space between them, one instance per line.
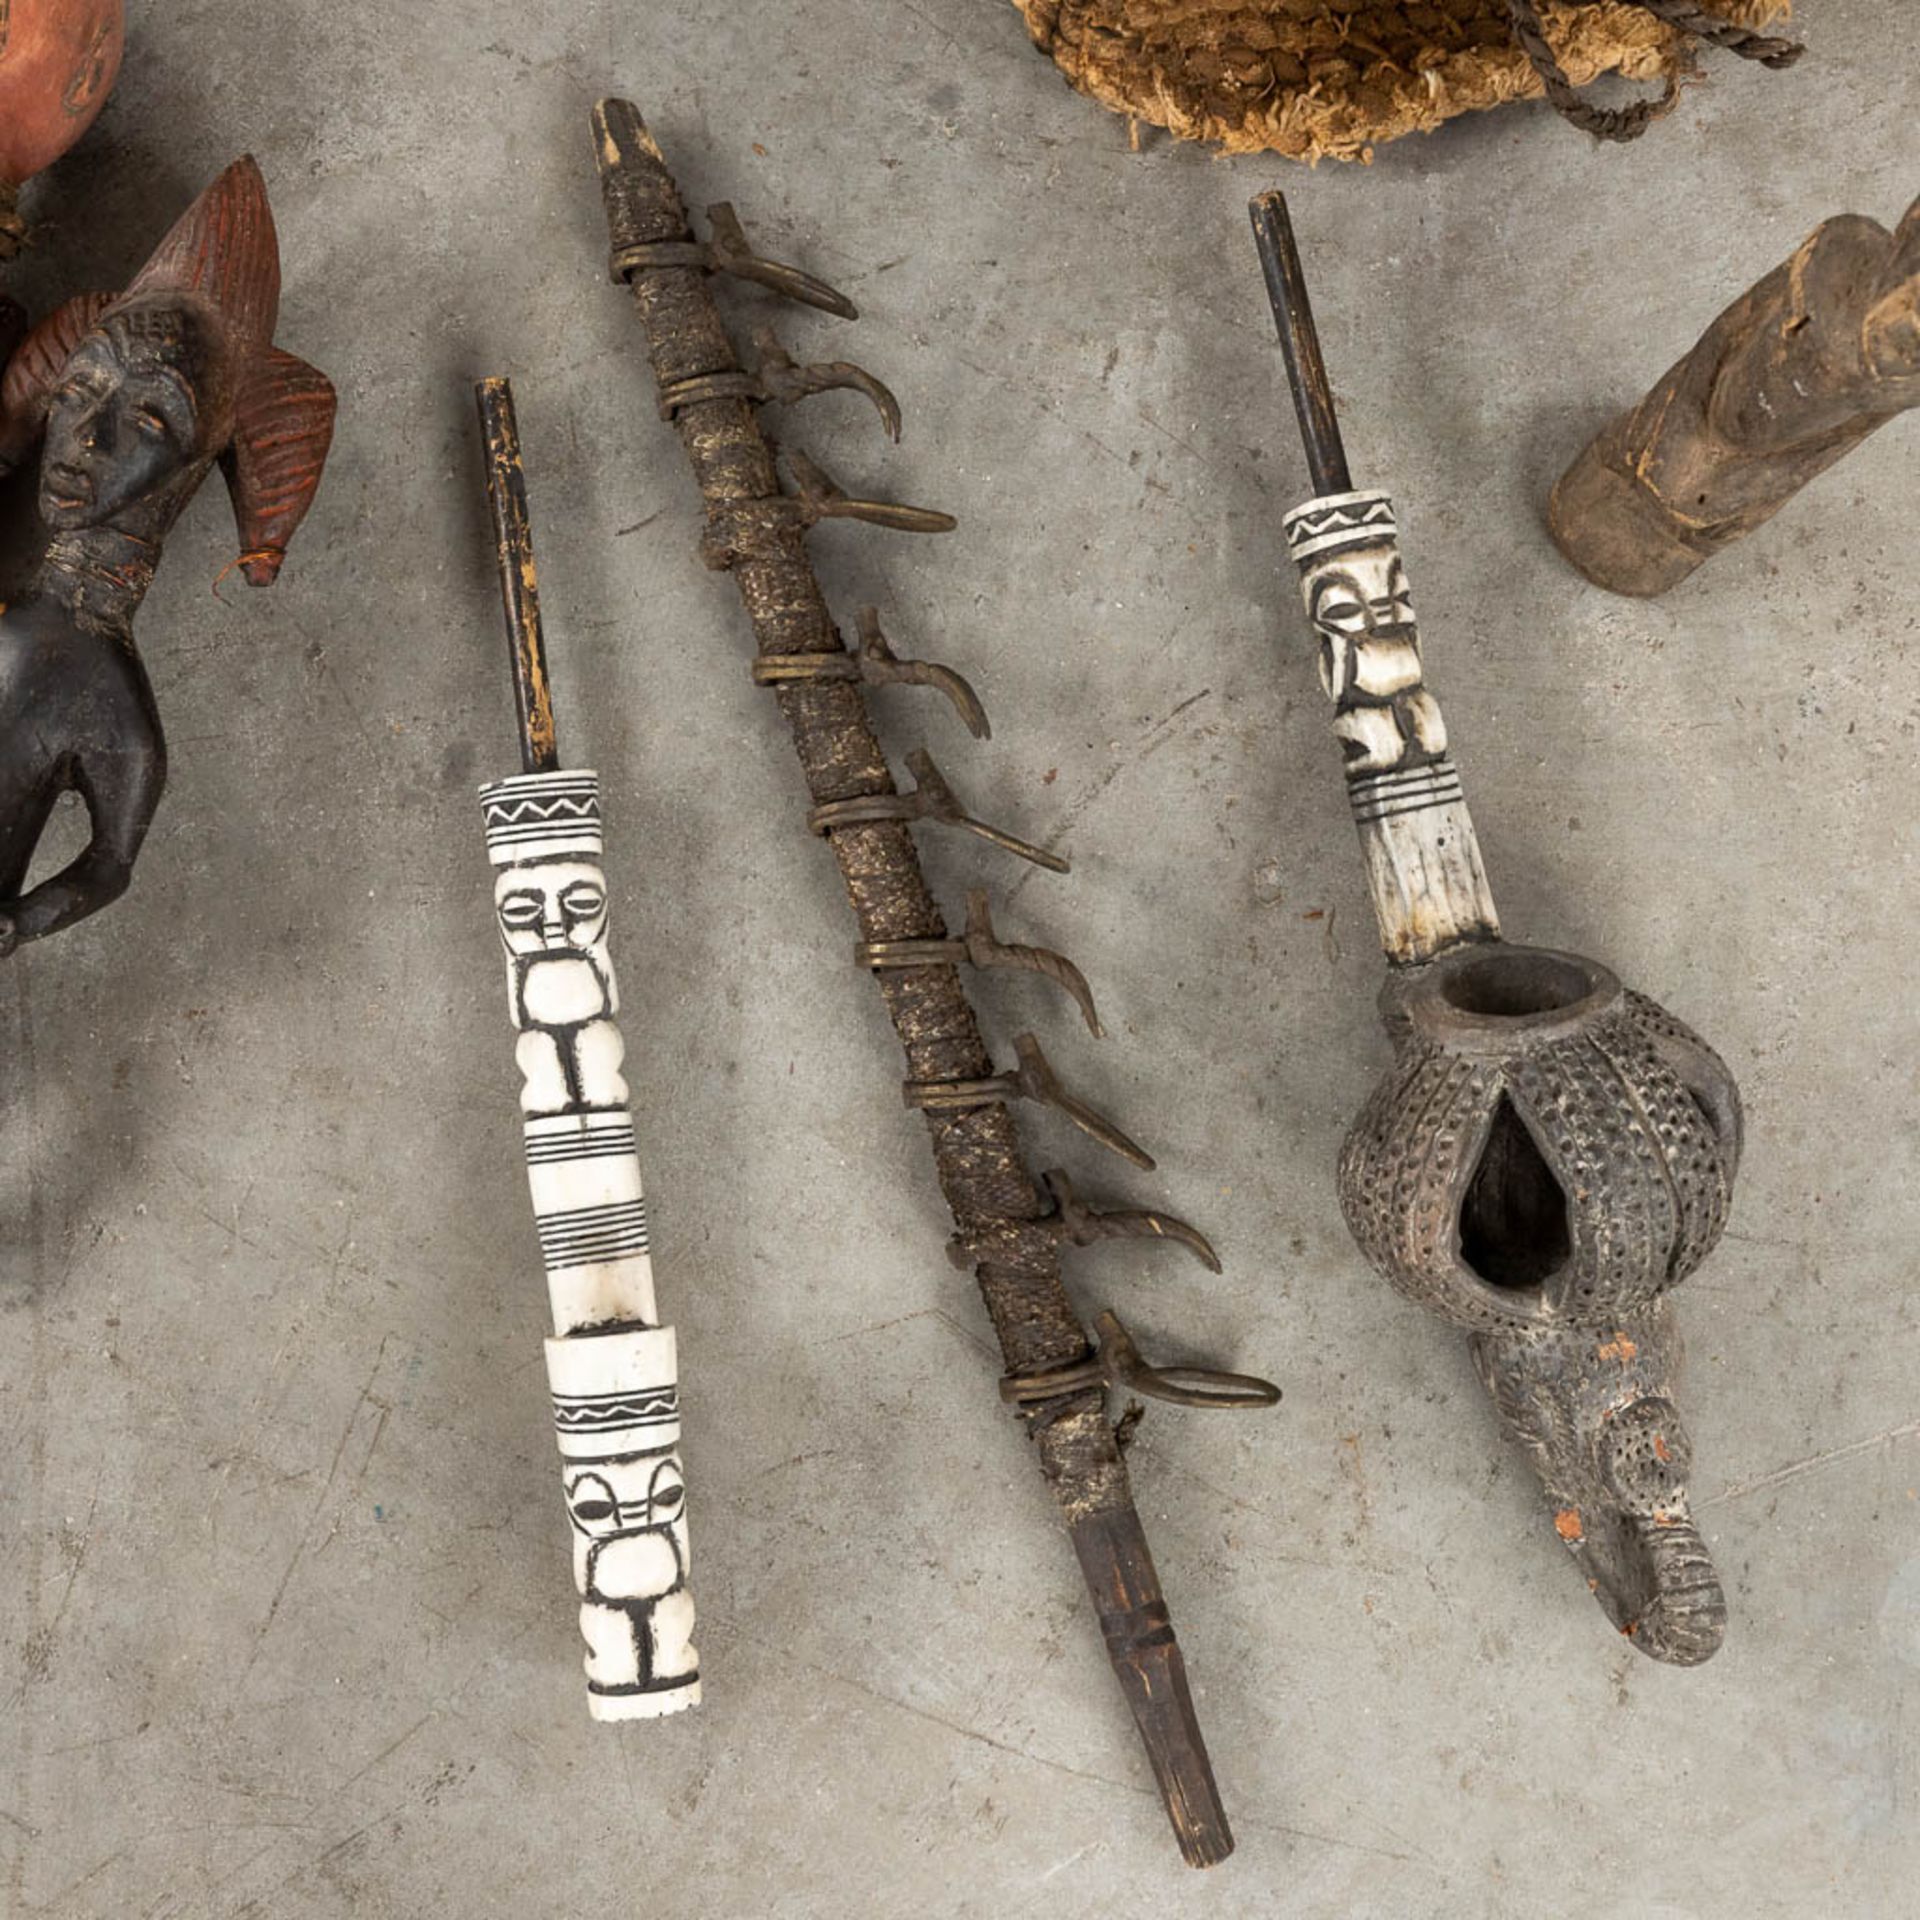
x=133 y=398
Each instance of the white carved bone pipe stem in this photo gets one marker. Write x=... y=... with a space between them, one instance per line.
x=1424 y=876
x=611 y=1367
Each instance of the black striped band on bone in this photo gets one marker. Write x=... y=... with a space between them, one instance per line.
x=588 y=1236
x=595 y=1137
x=1383 y=796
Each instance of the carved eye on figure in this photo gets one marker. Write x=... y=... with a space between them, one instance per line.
x=1337 y=611
x=666 y=1495
x=1339 y=602
x=1399 y=595
x=583 y=907
x=150 y=423
x=526 y=908
x=591 y=1505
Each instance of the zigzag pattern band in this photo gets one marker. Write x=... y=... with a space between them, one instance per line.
x=1323 y=526
x=536 y=814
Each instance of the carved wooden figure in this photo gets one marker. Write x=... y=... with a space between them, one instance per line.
x=134 y=398
x=1796 y=373
x=1549 y=1152
x=58 y=63
x=611 y=1366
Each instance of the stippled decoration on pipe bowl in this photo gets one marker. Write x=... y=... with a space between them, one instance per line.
x=1549 y=1153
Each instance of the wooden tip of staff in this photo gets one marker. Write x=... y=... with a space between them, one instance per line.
x=622 y=139
x=1120 y=1574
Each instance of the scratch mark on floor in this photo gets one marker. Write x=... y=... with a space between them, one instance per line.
x=927 y=1714
x=319 y=1506
x=1813 y=1462
x=393 y=1746
x=92 y=1873
x=922 y=1313
x=1153 y=738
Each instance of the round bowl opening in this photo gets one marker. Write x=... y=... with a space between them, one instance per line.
x=1517 y=983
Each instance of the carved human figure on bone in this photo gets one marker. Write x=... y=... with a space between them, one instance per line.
x=1370 y=665
x=135 y=398
x=617 y=1412
x=553 y=921
x=611 y=1366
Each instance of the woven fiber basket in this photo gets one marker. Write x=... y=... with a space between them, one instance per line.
x=1331 y=79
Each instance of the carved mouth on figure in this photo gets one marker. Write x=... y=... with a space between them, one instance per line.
x=68 y=488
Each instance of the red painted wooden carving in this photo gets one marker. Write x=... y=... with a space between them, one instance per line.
x=58 y=60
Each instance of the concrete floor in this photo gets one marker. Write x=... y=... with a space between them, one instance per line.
x=286 y=1625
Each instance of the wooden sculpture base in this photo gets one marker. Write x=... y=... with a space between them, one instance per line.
x=1789 y=379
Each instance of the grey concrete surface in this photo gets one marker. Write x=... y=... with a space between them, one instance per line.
x=285 y=1620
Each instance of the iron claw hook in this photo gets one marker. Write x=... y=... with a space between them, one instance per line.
x=784 y=379
x=881 y=666
x=1084 y=1226
x=823 y=498
x=729 y=251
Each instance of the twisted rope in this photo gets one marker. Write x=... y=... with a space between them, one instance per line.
x=1631 y=121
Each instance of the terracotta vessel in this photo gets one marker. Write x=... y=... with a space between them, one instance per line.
x=58 y=63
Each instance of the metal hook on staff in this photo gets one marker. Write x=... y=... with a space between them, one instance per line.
x=1033 y=1079
x=727 y=250
x=823 y=498
x=1117 y=1362
x=931 y=799
x=981 y=947
x=875 y=665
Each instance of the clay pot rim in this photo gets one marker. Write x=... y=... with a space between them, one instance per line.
x=1440 y=1003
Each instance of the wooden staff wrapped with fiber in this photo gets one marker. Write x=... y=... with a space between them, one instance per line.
x=1549 y=1152
x=612 y=1367
x=1009 y=1229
